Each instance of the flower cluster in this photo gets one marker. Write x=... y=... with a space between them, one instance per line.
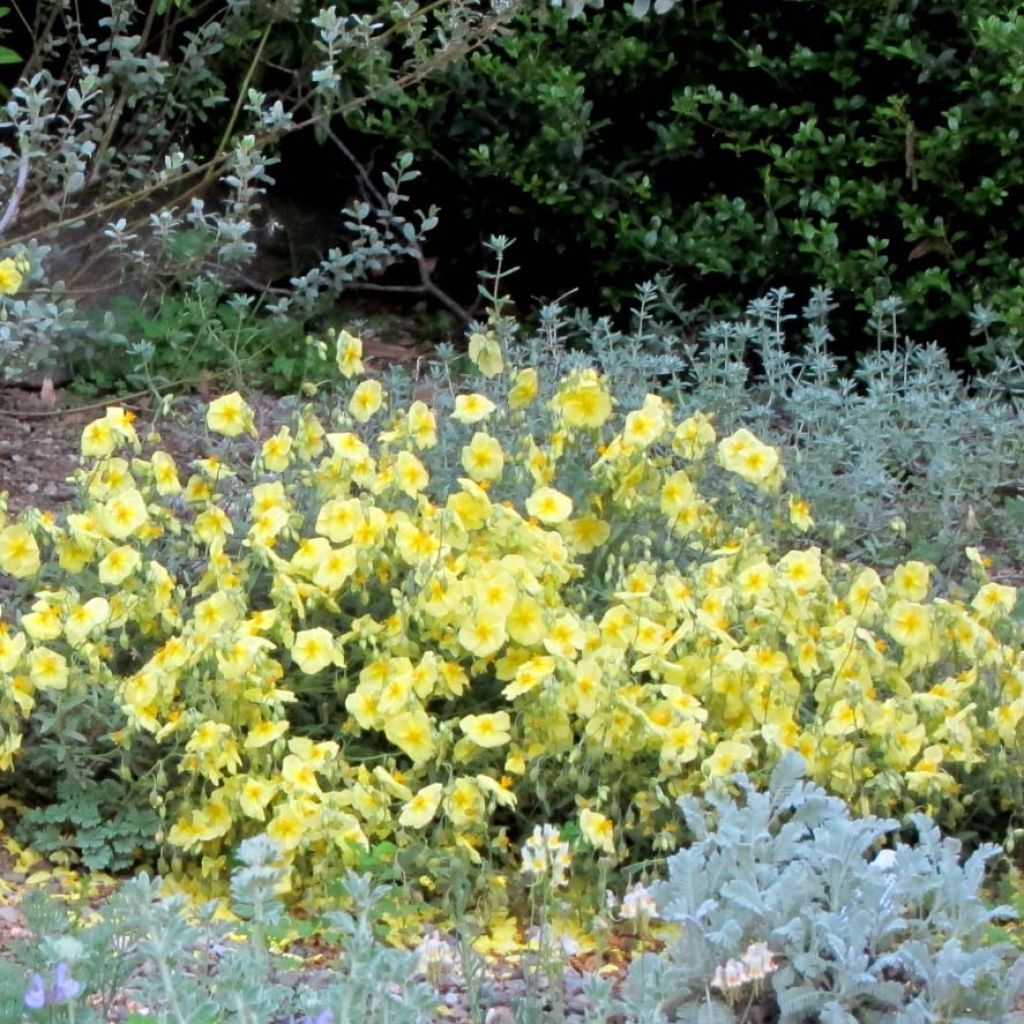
x=546 y=856
x=436 y=957
x=343 y=644
x=754 y=965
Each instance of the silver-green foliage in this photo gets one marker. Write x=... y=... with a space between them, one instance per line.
x=898 y=454
x=899 y=438
x=897 y=937
x=189 y=967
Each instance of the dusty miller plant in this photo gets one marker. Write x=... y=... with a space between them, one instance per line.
x=856 y=934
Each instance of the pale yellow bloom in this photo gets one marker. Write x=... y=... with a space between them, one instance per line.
x=420 y=810
x=11 y=276
x=549 y=505
x=598 y=830
x=485 y=354
x=230 y=415
x=366 y=400
x=19 y=552
x=472 y=408
x=491 y=730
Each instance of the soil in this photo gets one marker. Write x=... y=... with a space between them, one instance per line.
x=40 y=437
x=41 y=428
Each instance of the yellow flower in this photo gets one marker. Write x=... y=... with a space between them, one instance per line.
x=487 y=730
x=549 y=505
x=800 y=514
x=118 y=565
x=472 y=408
x=287 y=827
x=525 y=622
x=800 y=570
x=230 y=415
x=411 y=732
x=254 y=796
x=313 y=650
x=693 y=437
x=349 y=354
x=84 y=618
x=909 y=623
x=483 y=458
x=124 y=514
x=746 y=456
x=994 y=600
x=11 y=648
x=98 y=439
x=421 y=425
x=338 y=519
x=212 y=821
x=264 y=733
x=420 y=810
x=47 y=669
x=43 y=623
x=165 y=474
x=645 y=425
x=410 y=474
x=11 y=277
x=726 y=757
x=485 y=354
x=525 y=386
x=910 y=581
x=366 y=400
x=495 y=592
x=465 y=805
x=483 y=637
x=276 y=451
x=583 y=402
x=19 y=553
x=598 y=830
x=336 y=567
x=299 y=777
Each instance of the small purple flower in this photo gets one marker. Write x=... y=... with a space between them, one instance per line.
x=325 y=1017
x=65 y=988
x=35 y=994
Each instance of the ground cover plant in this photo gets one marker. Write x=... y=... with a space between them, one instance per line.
x=787 y=907
x=431 y=621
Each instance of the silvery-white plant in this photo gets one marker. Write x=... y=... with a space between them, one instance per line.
x=845 y=929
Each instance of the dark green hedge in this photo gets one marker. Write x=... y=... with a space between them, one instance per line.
x=871 y=146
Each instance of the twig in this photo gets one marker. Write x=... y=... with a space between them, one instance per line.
x=112 y=400
x=19 y=190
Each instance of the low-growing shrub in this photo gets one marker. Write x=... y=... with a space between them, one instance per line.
x=159 y=959
x=436 y=619
x=789 y=911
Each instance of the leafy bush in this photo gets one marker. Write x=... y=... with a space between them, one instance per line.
x=863 y=147
x=782 y=904
x=437 y=620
